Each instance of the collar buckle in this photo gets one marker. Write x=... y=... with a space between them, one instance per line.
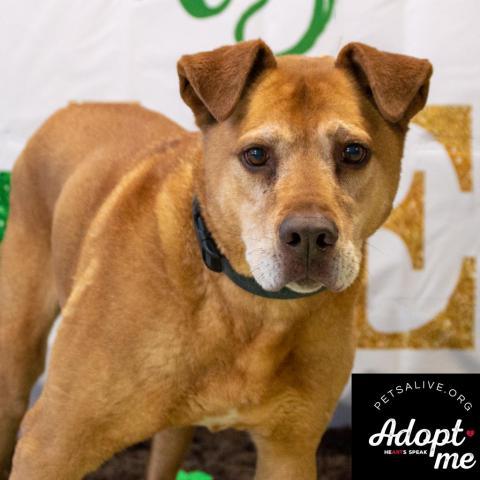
x=210 y=253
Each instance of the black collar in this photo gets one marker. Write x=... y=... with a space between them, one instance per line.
x=217 y=262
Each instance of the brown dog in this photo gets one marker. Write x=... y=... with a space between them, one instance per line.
x=297 y=165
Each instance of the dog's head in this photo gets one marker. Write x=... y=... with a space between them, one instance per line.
x=301 y=155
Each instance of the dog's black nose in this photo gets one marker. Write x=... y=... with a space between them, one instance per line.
x=308 y=235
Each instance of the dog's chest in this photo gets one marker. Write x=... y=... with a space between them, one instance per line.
x=244 y=389
x=220 y=422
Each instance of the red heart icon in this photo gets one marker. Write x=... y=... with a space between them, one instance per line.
x=470 y=433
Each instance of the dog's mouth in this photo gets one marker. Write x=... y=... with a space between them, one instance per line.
x=306 y=285
x=303 y=277
x=297 y=277
x=335 y=272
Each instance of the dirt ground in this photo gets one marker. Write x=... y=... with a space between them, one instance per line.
x=230 y=455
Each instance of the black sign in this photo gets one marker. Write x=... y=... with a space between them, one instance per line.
x=425 y=425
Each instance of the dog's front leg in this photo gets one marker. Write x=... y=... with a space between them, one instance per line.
x=64 y=438
x=283 y=458
x=167 y=452
x=53 y=447
x=97 y=400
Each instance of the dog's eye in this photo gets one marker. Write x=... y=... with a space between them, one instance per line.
x=255 y=156
x=355 y=154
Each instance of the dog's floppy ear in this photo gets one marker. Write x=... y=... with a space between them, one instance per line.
x=399 y=83
x=211 y=83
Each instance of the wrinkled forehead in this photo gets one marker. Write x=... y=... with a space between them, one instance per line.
x=304 y=95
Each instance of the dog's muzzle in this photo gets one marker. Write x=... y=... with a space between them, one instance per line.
x=307 y=242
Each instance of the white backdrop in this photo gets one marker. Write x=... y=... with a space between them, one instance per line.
x=419 y=311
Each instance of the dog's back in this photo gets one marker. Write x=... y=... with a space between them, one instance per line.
x=81 y=151
x=107 y=137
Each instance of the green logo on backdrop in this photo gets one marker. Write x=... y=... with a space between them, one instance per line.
x=322 y=12
x=4 y=200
